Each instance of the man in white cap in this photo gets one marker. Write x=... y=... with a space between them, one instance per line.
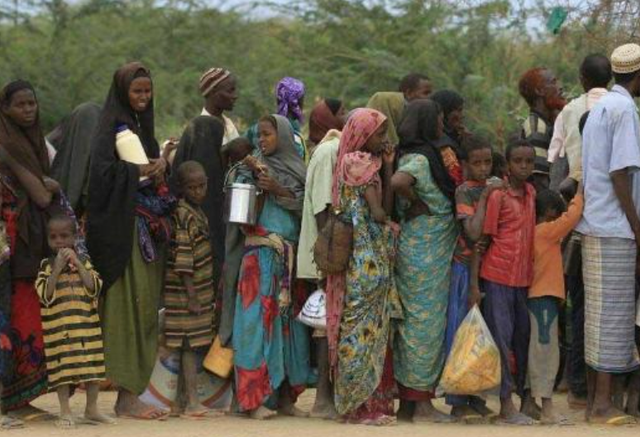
x=611 y=234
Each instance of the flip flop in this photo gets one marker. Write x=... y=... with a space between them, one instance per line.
x=616 y=420
x=66 y=423
x=9 y=422
x=148 y=415
x=195 y=415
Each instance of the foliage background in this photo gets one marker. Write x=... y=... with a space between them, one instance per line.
x=347 y=49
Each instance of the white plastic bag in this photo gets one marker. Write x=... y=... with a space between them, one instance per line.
x=314 y=311
x=473 y=365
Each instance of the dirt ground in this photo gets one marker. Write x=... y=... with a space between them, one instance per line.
x=289 y=427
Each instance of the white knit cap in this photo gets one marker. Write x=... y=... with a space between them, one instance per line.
x=626 y=59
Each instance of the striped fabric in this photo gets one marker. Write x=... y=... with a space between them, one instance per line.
x=71 y=327
x=609 y=266
x=190 y=255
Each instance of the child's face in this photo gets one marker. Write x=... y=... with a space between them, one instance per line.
x=520 y=163
x=195 y=187
x=62 y=235
x=268 y=138
x=479 y=165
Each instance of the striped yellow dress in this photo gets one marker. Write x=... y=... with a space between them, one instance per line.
x=71 y=327
x=190 y=255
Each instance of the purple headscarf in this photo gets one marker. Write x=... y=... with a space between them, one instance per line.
x=289 y=94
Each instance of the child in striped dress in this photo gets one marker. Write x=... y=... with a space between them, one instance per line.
x=189 y=287
x=68 y=288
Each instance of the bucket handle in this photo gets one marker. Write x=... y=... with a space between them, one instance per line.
x=225 y=184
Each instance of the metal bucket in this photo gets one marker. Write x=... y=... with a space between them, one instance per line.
x=240 y=204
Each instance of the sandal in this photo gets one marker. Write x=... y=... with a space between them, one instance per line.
x=149 y=414
x=613 y=420
x=66 y=422
x=9 y=422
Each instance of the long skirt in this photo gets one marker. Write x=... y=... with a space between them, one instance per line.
x=29 y=378
x=270 y=347
x=609 y=269
x=423 y=278
x=129 y=315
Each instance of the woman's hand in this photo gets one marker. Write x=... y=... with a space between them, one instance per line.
x=254 y=164
x=388 y=155
x=270 y=185
x=51 y=185
x=168 y=147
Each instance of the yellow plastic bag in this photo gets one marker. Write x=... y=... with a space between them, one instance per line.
x=473 y=366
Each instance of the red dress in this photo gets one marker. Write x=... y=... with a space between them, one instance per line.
x=29 y=377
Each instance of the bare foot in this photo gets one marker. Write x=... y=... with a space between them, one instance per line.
x=66 y=422
x=323 y=411
x=129 y=406
x=517 y=419
x=553 y=418
x=292 y=411
x=426 y=412
x=98 y=417
x=262 y=413
x=530 y=408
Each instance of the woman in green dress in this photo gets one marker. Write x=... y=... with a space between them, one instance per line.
x=127 y=226
x=425 y=251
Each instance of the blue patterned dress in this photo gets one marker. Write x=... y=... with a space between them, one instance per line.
x=269 y=345
x=423 y=269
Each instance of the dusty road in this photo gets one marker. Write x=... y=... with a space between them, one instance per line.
x=290 y=427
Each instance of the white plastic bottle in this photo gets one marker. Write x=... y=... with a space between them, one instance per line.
x=129 y=147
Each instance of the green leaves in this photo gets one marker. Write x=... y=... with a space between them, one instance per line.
x=346 y=49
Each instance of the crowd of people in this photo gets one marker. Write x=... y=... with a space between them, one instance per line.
x=105 y=258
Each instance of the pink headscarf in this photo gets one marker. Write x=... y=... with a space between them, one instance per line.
x=353 y=167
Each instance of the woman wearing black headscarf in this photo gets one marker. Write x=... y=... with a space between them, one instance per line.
x=26 y=200
x=72 y=141
x=423 y=262
x=127 y=224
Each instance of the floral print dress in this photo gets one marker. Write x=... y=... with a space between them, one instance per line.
x=270 y=346
x=364 y=386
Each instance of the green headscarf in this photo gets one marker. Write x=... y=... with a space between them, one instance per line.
x=392 y=105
